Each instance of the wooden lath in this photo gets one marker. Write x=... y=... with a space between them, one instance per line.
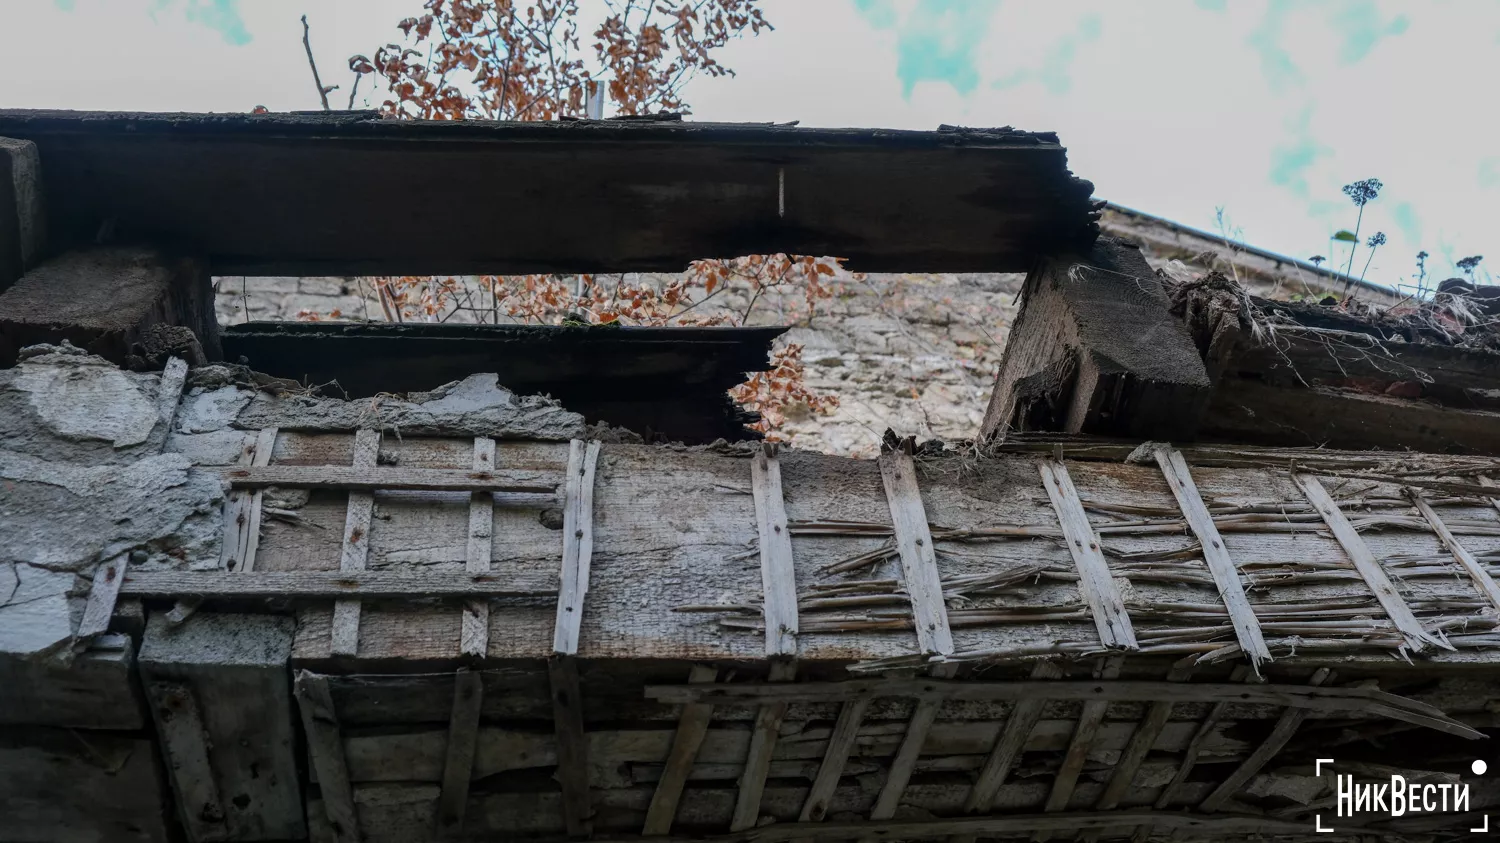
x=1477 y=572
x=242 y=506
x=474 y=630
x=345 y=631
x=1286 y=726
x=325 y=743
x=918 y=559
x=1095 y=582
x=562 y=668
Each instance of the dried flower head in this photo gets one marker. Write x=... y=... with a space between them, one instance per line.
x=1376 y=239
x=1317 y=260
x=1363 y=192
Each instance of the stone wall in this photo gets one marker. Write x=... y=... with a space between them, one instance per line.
x=916 y=353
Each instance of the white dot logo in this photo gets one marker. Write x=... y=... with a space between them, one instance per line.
x=1479 y=766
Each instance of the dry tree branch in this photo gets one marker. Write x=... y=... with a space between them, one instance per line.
x=307 y=45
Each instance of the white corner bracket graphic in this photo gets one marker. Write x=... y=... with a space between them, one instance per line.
x=1318 y=818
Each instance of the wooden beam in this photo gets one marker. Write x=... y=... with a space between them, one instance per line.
x=463 y=740
x=997 y=765
x=1286 y=726
x=392 y=478
x=752 y=781
x=918 y=559
x=1095 y=582
x=179 y=722
x=578 y=545
x=102 y=596
x=474 y=629
x=1141 y=742
x=344 y=639
x=840 y=744
x=1225 y=573
x=1477 y=572
x=572 y=744
x=242 y=507
x=1096 y=349
x=1417 y=638
x=692 y=727
x=23 y=218
x=1090 y=718
x=778 y=576
x=325 y=744
x=923 y=715
x=311 y=585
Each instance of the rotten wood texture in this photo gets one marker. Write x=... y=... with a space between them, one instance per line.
x=1002 y=758
x=1094 y=579
x=242 y=507
x=463 y=738
x=100 y=607
x=752 y=780
x=572 y=744
x=577 y=545
x=344 y=640
x=311 y=585
x=1226 y=575
x=370 y=478
x=980 y=200
x=1370 y=569
x=778 y=576
x=692 y=727
x=227 y=673
x=1476 y=571
x=1095 y=349
x=840 y=744
x=899 y=774
x=325 y=745
x=1281 y=733
x=475 y=624
x=919 y=570
x=23 y=218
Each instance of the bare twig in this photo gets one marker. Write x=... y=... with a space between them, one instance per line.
x=307 y=44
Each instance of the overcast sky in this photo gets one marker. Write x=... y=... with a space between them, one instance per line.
x=1263 y=108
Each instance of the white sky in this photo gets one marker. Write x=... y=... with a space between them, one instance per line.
x=1175 y=107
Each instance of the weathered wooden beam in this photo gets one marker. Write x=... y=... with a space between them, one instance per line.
x=309 y=585
x=840 y=744
x=344 y=636
x=393 y=478
x=1090 y=718
x=692 y=727
x=997 y=765
x=1095 y=582
x=1096 y=350
x=463 y=739
x=572 y=744
x=752 y=782
x=577 y=545
x=923 y=715
x=919 y=571
x=325 y=744
x=100 y=607
x=131 y=305
x=1225 y=573
x=1286 y=726
x=230 y=671
x=242 y=507
x=1417 y=638
x=98 y=690
x=23 y=218
x=474 y=627
x=778 y=577
x=1141 y=742
x=1477 y=572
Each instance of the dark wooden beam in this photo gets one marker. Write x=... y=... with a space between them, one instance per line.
x=23 y=223
x=1097 y=350
x=353 y=194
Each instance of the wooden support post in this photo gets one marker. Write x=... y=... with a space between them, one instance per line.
x=474 y=635
x=562 y=668
x=242 y=507
x=325 y=743
x=1096 y=349
x=778 y=577
x=692 y=727
x=344 y=639
x=102 y=596
x=463 y=739
x=1417 y=638
x=1095 y=582
x=1477 y=572
x=1286 y=726
x=1226 y=575
x=229 y=674
x=23 y=220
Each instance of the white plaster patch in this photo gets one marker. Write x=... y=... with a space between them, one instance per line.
x=204 y=412
x=89 y=402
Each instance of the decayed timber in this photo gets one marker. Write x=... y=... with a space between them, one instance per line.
x=356 y=549
x=778 y=576
x=1477 y=572
x=23 y=219
x=1007 y=749
x=391 y=478
x=1286 y=726
x=242 y=507
x=840 y=743
x=572 y=745
x=1094 y=579
x=463 y=736
x=752 y=780
x=180 y=724
x=918 y=561
x=101 y=604
x=692 y=727
x=311 y=585
x=475 y=626
x=326 y=747
x=577 y=545
x=96 y=691
x=1090 y=718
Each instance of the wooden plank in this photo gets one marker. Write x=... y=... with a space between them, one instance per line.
x=778 y=577
x=692 y=727
x=235 y=669
x=918 y=560
x=1196 y=746
x=474 y=629
x=905 y=762
x=325 y=744
x=1489 y=483
x=242 y=507
x=997 y=765
x=179 y=722
x=1417 y=639
x=1476 y=571
x=1286 y=726
x=169 y=393
x=102 y=596
x=373 y=478
x=752 y=781
x=1141 y=742
x=840 y=744
x=1225 y=573
x=1366 y=700
x=463 y=739
x=578 y=545
x=344 y=634
x=1095 y=582
x=572 y=744
x=23 y=216
x=1090 y=718
x=312 y=585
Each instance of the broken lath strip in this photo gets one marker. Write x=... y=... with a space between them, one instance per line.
x=344 y=637
x=474 y=634
x=562 y=668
